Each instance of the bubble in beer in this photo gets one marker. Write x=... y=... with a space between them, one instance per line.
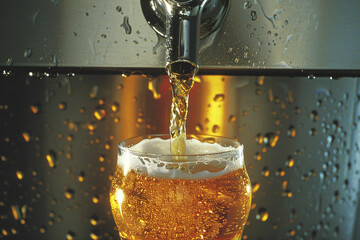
x=26 y=136
x=219 y=97
x=100 y=114
x=262 y=215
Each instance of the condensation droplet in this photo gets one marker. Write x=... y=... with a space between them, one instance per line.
x=94 y=91
x=62 y=106
x=198 y=127
x=314 y=116
x=34 y=109
x=69 y=193
x=219 y=97
x=291 y=131
x=126 y=25
x=253 y=15
x=26 y=136
x=118 y=8
x=256 y=187
x=51 y=158
x=95 y=199
x=232 y=118
x=115 y=107
x=70 y=235
x=27 y=53
x=216 y=129
x=19 y=175
x=247 y=5
x=94 y=220
x=262 y=215
x=99 y=114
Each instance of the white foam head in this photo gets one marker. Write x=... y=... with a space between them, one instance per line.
x=202 y=160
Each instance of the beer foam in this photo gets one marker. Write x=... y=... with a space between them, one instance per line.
x=208 y=163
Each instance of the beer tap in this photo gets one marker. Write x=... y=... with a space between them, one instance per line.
x=184 y=24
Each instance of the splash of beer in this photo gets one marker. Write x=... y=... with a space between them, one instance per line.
x=181 y=80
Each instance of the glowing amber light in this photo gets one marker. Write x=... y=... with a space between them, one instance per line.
x=19 y=175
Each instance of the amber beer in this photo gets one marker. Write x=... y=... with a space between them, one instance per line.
x=207 y=196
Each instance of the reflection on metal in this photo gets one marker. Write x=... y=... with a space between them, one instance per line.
x=303 y=186
x=300 y=34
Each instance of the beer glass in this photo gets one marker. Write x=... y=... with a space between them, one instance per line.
x=205 y=194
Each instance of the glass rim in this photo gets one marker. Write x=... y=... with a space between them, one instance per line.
x=124 y=148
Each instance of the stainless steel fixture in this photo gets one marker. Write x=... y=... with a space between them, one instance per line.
x=67 y=99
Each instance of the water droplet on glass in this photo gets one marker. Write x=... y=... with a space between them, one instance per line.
x=126 y=25
x=255 y=187
x=26 y=136
x=27 y=53
x=253 y=15
x=271 y=139
x=219 y=97
x=99 y=114
x=94 y=91
x=330 y=139
x=262 y=215
x=291 y=131
x=257 y=156
x=94 y=220
x=290 y=162
x=62 y=106
x=95 y=199
x=9 y=61
x=198 y=127
x=312 y=132
x=51 y=158
x=70 y=235
x=115 y=107
x=118 y=8
x=314 y=116
x=19 y=175
x=94 y=235
x=311 y=76
x=103 y=35
x=232 y=118
x=247 y=5
x=216 y=129
x=69 y=193
x=34 y=109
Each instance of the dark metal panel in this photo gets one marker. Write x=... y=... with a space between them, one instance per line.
x=272 y=34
